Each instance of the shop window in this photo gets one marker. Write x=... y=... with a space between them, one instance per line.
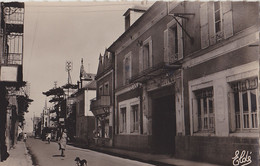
x=203 y=111
x=243 y=105
x=134 y=118
x=123 y=120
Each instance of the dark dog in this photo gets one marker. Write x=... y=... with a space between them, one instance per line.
x=80 y=162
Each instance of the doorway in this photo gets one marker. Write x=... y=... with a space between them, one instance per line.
x=164 y=124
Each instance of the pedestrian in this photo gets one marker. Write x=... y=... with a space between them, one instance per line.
x=63 y=142
x=24 y=137
x=48 y=137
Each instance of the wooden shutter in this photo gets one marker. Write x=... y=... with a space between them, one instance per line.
x=121 y=125
x=195 y=115
x=227 y=19
x=131 y=121
x=211 y=23
x=204 y=25
x=141 y=59
x=231 y=112
x=180 y=40
x=124 y=76
x=150 y=53
x=166 y=57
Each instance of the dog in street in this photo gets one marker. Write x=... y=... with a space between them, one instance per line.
x=79 y=162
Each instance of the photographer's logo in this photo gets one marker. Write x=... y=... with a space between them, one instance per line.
x=242 y=159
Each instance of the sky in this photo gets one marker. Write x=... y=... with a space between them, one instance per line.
x=56 y=32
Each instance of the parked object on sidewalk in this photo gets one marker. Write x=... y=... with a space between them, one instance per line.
x=82 y=162
x=63 y=142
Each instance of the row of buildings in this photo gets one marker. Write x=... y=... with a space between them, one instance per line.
x=14 y=94
x=182 y=80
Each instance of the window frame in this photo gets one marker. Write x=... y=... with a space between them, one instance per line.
x=204 y=118
x=123 y=117
x=106 y=90
x=125 y=79
x=135 y=114
x=239 y=119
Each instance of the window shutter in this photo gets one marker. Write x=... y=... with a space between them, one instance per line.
x=131 y=121
x=204 y=25
x=180 y=40
x=195 y=115
x=124 y=76
x=130 y=66
x=211 y=21
x=231 y=111
x=150 y=53
x=227 y=19
x=166 y=57
x=121 y=122
x=141 y=59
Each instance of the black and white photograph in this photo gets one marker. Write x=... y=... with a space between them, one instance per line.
x=129 y=83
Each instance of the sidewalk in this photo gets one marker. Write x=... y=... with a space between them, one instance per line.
x=18 y=156
x=156 y=159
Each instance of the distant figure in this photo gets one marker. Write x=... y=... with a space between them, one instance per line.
x=24 y=137
x=48 y=137
x=63 y=142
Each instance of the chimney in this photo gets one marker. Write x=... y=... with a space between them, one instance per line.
x=132 y=14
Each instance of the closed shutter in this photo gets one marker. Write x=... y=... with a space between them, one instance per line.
x=195 y=115
x=141 y=59
x=180 y=40
x=231 y=112
x=124 y=75
x=131 y=121
x=121 y=125
x=204 y=25
x=211 y=22
x=150 y=53
x=227 y=19
x=166 y=57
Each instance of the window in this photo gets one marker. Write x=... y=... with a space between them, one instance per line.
x=203 y=110
x=217 y=17
x=216 y=22
x=101 y=90
x=173 y=42
x=106 y=89
x=244 y=104
x=134 y=118
x=127 y=67
x=123 y=120
x=146 y=55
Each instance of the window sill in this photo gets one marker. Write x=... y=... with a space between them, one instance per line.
x=245 y=133
x=204 y=134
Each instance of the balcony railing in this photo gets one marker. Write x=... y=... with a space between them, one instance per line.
x=104 y=101
x=12 y=59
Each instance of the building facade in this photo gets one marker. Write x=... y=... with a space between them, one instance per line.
x=11 y=72
x=85 y=120
x=186 y=80
x=102 y=105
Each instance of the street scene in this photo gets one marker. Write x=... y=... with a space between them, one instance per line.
x=167 y=83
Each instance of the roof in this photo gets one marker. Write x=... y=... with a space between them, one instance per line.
x=92 y=85
x=138 y=21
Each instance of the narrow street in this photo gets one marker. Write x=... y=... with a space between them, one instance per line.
x=48 y=154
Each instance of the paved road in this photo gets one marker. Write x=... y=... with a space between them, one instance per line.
x=49 y=155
